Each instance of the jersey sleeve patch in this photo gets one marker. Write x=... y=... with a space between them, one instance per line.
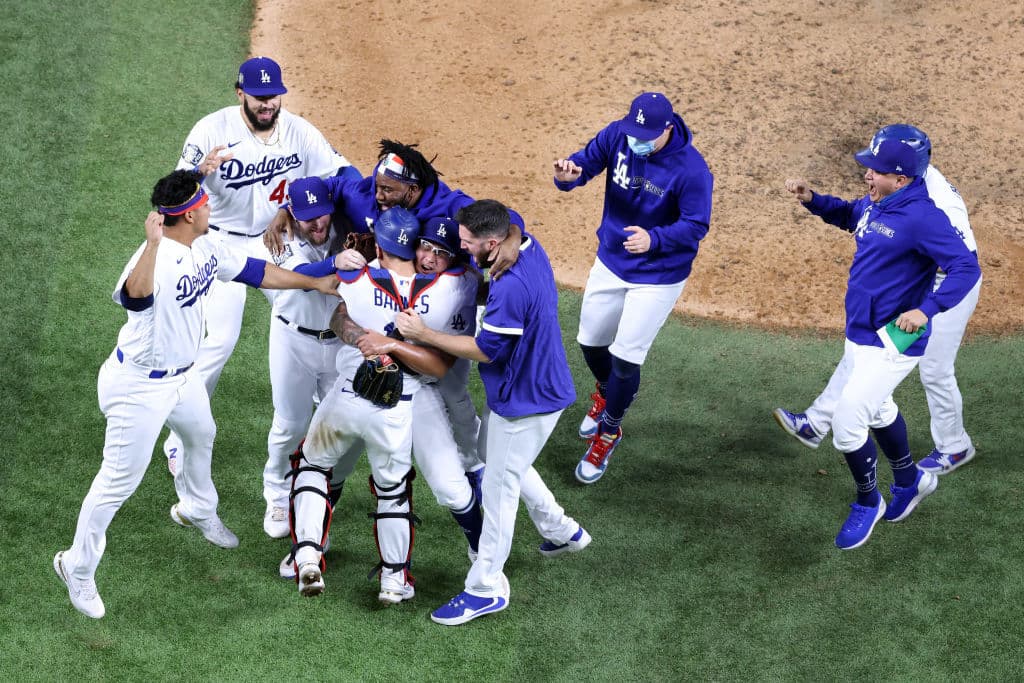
x=285 y=254
x=192 y=154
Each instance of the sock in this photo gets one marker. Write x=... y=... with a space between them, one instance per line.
x=471 y=520
x=862 y=463
x=894 y=443
x=335 y=492
x=622 y=387
x=599 y=360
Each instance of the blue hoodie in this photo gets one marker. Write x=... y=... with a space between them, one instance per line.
x=900 y=240
x=356 y=198
x=667 y=193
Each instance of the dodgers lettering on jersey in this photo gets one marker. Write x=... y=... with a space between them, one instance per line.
x=247 y=190
x=374 y=296
x=167 y=334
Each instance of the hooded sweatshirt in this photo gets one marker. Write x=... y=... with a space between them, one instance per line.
x=668 y=193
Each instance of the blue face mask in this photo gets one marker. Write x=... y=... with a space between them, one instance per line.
x=640 y=147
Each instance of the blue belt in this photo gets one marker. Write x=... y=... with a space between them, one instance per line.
x=158 y=374
x=236 y=234
x=319 y=334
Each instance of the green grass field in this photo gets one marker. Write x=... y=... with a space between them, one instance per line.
x=712 y=556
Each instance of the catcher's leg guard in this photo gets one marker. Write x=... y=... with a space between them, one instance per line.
x=393 y=527
x=309 y=511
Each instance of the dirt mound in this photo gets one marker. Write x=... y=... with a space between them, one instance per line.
x=771 y=89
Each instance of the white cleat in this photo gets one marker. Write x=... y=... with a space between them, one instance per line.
x=213 y=529
x=311 y=581
x=275 y=522
x=394 y=589
x=84 y=596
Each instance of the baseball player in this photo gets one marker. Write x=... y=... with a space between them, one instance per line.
x=403 y=177
x=150 y=377
x=303 y=348
x=527 y=382
x=657 y=209
x=346 y=419
x=901 y=238
x=249 y=153
x=953 y=447
x=453 y=470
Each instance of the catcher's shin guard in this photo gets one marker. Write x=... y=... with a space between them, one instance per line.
x=309 y=511
x=393 y=527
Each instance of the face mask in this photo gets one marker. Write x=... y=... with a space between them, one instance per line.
x=640 y=147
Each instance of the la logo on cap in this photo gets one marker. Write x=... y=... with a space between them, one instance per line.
x=640 y=116
x=441 y=230
x=310 y=197
x=403 y=238
x=264 y=76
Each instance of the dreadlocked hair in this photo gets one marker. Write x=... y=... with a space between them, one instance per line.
x=414 y=161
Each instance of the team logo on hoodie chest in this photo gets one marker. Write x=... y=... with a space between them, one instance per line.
x=866 y=225
x=620 y=176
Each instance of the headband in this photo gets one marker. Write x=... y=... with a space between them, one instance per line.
x=198 y=198
x=393 y=167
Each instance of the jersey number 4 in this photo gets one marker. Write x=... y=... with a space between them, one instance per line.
x=279 y=195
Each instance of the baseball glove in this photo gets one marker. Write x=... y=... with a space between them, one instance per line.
x=379 y=380
x=362 y=242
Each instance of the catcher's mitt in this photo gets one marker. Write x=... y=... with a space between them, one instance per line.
x=379 y=380
x=362 y=242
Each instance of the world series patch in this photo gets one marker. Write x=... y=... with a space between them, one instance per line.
x=192 y=154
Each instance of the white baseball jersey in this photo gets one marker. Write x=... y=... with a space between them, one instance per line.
x=167 y=333
x=950 y=203
x=374 y=297
x=247 y=191
x=309 y=309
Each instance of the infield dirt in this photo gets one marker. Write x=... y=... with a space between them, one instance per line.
x=771 y=90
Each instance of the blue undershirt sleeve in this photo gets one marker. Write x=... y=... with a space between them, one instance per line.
x=131 y=304
x=318 y=269
x=253 y=272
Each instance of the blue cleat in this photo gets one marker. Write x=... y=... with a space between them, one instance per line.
x=944 y=463
x=906 y=498
x=857 y=528
x=594 y=462
x=796 y=424
x=580 y=540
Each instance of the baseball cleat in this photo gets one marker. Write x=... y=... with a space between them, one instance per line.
x=311 y=581
x=580 y=540
x=286 y=569
x=275 y=522
x=467 y=607
x=796 y=425
x=84 y=596
x=594 y=462
x=937 y=462
x=588 y=428
x=857 y=528
x=906 y=498
x=213 y=529
x=394 y=589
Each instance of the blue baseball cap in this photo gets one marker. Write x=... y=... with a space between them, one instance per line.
x=443 y=231
x=889 y=156
x=648 y=117
x=310 y=198
x=397 y=232
x=260 y=77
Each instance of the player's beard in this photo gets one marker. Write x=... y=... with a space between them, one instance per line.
x=254 y=120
